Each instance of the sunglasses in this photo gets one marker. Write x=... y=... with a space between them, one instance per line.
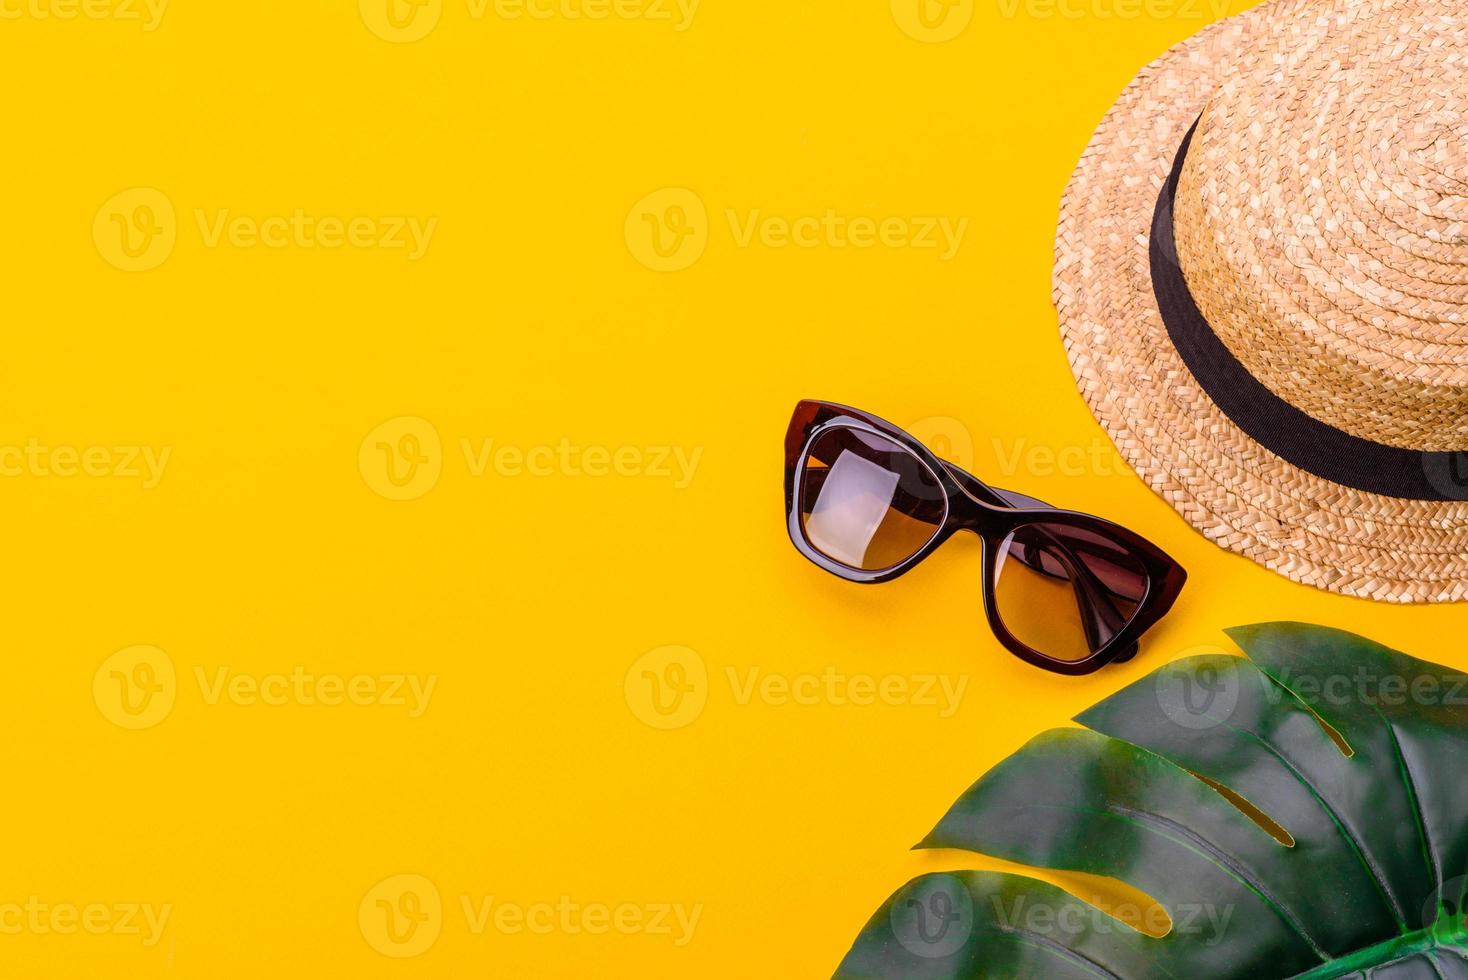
x=1065 y=591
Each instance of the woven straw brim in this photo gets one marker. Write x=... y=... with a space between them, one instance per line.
x=1236 y=492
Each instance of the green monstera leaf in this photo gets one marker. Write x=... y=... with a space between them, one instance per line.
x=1301 y=813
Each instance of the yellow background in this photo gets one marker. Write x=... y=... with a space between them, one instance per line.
x=534 y=320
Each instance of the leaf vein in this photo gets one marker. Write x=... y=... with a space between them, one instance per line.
x=1064 y=952
x=1226 y=862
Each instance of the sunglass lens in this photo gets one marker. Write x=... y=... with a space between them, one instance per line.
x=866 y=501
x=1065 y=591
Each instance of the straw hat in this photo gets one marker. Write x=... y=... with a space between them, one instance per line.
x=1262 y=280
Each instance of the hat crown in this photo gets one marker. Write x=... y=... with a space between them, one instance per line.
x=1439 y=153
x=1321 y=221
